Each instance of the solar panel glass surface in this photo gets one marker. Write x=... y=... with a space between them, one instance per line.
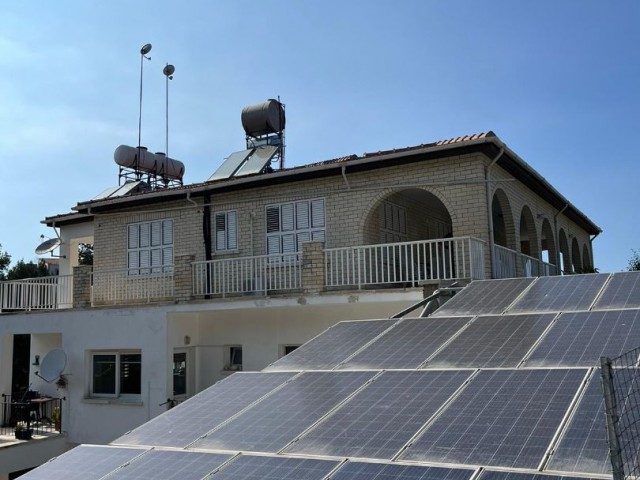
x=581 y=338
x=503 y=418
x=491 y=475
x=278 y=419
x=622 y=291
x=386 y=471
x=382 y=418
x=84 y=463
x=248 y=467
x=493 y=341
x=170 y=465
x=333 y=346
x=484 y=297
x=185 y=423
x=407 y=345
x=561 y=294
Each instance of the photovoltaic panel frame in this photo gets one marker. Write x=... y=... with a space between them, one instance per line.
x=231 y=165
x=253 y=467
x=383 y=417
x=622 y=291
x=273 y=423
x=188 y=421
x=581 y=338
x=258 y=159
x=504 y=418
x=493 y=475
x=388 y=471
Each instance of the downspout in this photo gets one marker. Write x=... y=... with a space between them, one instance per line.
x=591 y=239
x=490 y=210
x=555 y=225
x=206 y=236
x=344 y=176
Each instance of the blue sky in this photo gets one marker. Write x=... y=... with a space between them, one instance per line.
x=558 y=81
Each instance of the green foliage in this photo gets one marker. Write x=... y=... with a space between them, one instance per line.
x=85 y=254
x=634 y=261
x=24 y=269
x=5 y=260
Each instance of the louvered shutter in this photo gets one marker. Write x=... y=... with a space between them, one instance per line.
x=317 y=213
x=302 y=237
x=289 y=243
x=133 y=262
x=273 y=244
x=318 y=235
x=302 y=215
x=156 y=233
x=156 y=260
x=145 y=261
x=167 y=232
x=232 y=230
x=287 y=219
x=273 y=219
x=133 y=236
x=167 y=258
x=221 y=231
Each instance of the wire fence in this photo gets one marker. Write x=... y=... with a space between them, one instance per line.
x=621 y=387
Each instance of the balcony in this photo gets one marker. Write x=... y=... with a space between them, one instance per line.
x=29 y=418
x=314 y=270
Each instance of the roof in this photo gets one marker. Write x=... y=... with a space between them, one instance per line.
x=487 y=143
x=498 y=382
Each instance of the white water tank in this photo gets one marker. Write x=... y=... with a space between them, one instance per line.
x=155 y=163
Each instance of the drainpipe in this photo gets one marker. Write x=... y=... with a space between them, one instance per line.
x=555 y=225
x=490 y=211
x=591 y=239
x=344 y=176
x=206 y=235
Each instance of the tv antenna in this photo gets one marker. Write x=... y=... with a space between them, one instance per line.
x=168 y=71
x=146 y=48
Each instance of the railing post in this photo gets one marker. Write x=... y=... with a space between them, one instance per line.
x=611 y=409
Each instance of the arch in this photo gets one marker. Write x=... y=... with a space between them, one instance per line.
x=549 y=252
x=528 y=234
x=564 y=260
x=586 y=259
x=576 y=259
x=503 y=225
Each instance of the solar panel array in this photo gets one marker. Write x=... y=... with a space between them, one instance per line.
x=450 y=397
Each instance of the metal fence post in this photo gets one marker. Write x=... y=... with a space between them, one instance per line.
x=611 y=409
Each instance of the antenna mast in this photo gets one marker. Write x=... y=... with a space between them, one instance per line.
x=168 y=71
x=146 y=48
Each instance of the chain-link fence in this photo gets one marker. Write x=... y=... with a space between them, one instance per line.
x=621 y=387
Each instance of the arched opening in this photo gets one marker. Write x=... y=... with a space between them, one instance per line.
x=576 y=260
x=528 y=234
x=548 y=244
x=503 y=227
x=586 y=260
x=564 y=262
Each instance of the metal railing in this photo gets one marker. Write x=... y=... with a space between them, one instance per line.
x=131 y=286
x=511 y=264
x=41 y=293
x=405 y=262
x=247 y=275
x=24 y=418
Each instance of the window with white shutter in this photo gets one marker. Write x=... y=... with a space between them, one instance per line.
x=150 y=247
x=225 y=226
x=289 y=225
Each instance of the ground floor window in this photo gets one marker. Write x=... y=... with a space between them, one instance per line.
x=179 y=373
x=115 y=374
x=234 y=358
x=287 y=349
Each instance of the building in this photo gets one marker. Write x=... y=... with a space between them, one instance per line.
x=194 y=282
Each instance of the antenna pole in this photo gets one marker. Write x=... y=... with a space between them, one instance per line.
x=166 y=128
x=143 y=54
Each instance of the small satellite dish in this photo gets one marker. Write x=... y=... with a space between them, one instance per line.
x=169 y=70
x=48 y=246
x=52 y=365
x=146 y=48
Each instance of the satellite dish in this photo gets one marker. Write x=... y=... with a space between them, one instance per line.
x=48 y=246
x=146 y=48
x=52 y=365
x=169 y=70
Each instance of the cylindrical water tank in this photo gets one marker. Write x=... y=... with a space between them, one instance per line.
x=263 y=118
x=158 y=164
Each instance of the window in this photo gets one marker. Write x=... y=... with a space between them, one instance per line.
x=225 y=231
x=179 y=373
x=115 y=374
x=291 y=224
x=393 y=223
x=234 y=358
x=150 y=247
x=287 y=349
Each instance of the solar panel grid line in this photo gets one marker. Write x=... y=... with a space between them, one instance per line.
x=366 y=345
x=522 y=294
x=604 y=286
x=248 y=407
x=331 y=412
x=537 y=342
x=222 y=465
x=435 y=416
x=622 y=292
x=105 y=477
x=564 y=423
x=446 y=343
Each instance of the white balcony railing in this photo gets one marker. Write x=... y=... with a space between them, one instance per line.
x=247 y=275
x=405 y=262
x=507 y=262
x=41 y=293
x=130 y=286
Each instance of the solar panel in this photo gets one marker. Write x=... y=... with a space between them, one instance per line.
x=383 y=417
x=484 y=297
x=333 y=346
x=230 y=165
x=248 y=467
x=170 y=465
x=277 y=420
x=561 y=293
x=259 y=159
x=493 y=341
x=386 y=471
x=622 y=291
x=584 y=446
x=84 y=463
x=407 y=345
x=183 y=424
x=501 y=418
x=489 y=475
x=581 y=338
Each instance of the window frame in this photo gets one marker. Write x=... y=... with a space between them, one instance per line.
x=118 y=374
x=186 y=374
x=165 y=247
x=290 y=230
x=227 y=249
x=230 y=352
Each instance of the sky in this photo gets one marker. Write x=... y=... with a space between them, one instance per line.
x=557 y=81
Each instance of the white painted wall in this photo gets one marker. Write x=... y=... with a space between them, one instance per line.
x=20 y=456
x=41 y=344
x=72 y=236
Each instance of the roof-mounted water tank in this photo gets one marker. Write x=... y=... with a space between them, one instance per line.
x=140 y=159
x=263 y=118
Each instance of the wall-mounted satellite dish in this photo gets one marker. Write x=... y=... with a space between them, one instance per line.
x=48 y=246
x=52 y=365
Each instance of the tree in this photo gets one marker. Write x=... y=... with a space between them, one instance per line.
x=85 y=254
x=24 y=269
x=5 y=260
x=634 y=261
